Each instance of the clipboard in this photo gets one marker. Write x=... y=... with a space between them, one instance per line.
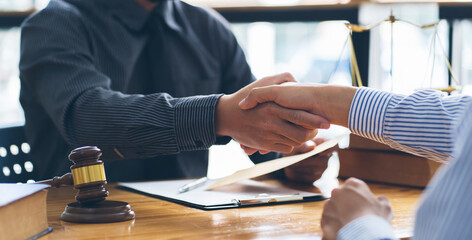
x=246 y=193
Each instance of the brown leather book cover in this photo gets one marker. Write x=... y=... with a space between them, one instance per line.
x=358 y=142
x=23 y=213
x=386 y=167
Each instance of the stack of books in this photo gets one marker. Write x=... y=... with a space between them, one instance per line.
x=372 y=161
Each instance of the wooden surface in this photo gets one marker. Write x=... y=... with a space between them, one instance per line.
x=159 y=219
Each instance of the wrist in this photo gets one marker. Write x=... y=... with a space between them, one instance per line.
x=193 y=122
x=335 y=103
x=221 y=116
x=367 y=227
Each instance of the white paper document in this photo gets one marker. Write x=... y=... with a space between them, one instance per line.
x=274 y=165
x=231 y=196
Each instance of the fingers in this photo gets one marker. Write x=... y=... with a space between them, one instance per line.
x=276 y=79
x=278 y=147
x=298 y=117
x=284 y=78
x=249 y=151
x=309 y=146
x=351 y=201
x=383 y=199
x=295 y=135
x=270 y=143
x=329 y=221
x=356 y=184
x=273 y=128
x=387 y=207
x=259 y=95
x=304 y=119
x=319 y=140
x=329 y=228
x=273 y=118
x=306 y=147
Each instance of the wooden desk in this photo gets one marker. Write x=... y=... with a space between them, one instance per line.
x=159 y=219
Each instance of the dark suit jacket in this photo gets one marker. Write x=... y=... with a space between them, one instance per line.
x=141 y=86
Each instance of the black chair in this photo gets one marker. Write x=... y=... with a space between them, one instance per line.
x=15 y=165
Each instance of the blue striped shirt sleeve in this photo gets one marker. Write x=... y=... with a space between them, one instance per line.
x=369 y=227
x=419 y=124
x=445 y=211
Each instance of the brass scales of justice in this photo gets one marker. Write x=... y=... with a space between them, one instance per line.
x=88 y=177
x=355 y=74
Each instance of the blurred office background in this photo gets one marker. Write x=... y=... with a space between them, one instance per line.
x=296 y=36
x=309 y=39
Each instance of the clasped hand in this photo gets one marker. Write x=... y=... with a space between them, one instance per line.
x=349 y=202
x=267 y=126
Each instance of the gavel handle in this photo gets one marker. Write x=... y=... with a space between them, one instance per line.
x=65 y=180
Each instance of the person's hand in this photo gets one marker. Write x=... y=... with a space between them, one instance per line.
x=310 y=169
x=249 y=151
x=349 y=202
x=268 y=126
x=331 y=102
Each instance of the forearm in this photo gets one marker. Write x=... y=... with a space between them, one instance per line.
x=420 y=123
x=141 y=126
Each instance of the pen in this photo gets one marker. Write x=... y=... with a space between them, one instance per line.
x=193 y=185
x=268 y=199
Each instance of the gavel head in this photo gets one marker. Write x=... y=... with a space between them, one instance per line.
x=88 y=173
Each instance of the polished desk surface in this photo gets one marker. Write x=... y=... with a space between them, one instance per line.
x=159 y=219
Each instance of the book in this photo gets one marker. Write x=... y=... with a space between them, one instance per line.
x=23 y=212
x=386 y=167
x=373 y=161
x=358 y=142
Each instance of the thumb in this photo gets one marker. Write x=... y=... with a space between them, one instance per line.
x=276 y=80
x=306 y=147
x=258 y=95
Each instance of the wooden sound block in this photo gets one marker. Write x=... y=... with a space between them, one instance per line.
x=101 y=212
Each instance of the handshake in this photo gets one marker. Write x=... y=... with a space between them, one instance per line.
x=273 y=115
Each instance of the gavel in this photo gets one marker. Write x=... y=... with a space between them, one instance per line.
x=88 y=177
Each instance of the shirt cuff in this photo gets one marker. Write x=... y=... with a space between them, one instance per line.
x=195 y=122
x=367 y=228
x=367 y=113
